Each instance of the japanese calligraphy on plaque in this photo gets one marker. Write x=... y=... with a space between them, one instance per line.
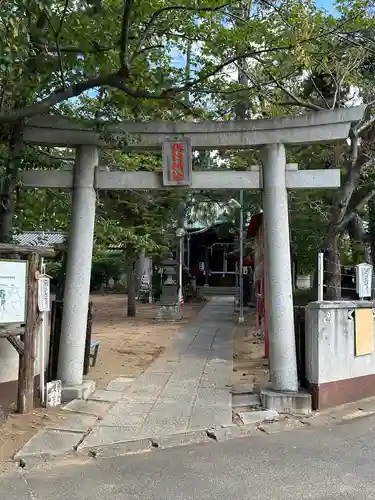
x=177 y=162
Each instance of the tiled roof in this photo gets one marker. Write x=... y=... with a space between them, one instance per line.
x=40 y=238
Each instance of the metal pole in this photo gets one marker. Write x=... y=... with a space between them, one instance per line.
x=180 y=268
x=241 y=316
x=320 y=276
x=42 y=340
x=188 y=251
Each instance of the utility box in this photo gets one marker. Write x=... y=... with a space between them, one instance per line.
x=363 y=280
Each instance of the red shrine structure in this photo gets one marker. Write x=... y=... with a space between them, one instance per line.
x=255 y=230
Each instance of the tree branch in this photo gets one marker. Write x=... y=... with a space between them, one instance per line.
x=62 y=19
x=56 y=157
x=60 y=61
x=158 y=13
x=295 y=99
x=124 y=38
x=116 y=81
x=77 y=50
x=150 y=47
x=59 y=95
x=360 y=206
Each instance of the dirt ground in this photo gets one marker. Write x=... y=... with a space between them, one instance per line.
x=250 y=368
x=128 y=347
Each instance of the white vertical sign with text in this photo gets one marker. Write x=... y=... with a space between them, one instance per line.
x=44 y=294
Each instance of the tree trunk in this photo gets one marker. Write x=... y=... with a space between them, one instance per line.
x=9 y=183
x=359 y=241
x=140 y=266
x=332 y=267
x=371 y=228
x=131 y=291
x=337 y=222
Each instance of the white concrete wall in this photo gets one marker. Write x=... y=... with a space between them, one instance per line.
x=8 y=362
x=330 y=342
x=9 y=359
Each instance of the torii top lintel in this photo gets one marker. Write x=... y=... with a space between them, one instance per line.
x=322 y=126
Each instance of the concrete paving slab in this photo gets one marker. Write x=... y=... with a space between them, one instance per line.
x=49 y=442
x=163 y=425
x=150 y=389
x=221 y=381
x=180 y=386
x=130 y=408
x=15 y=487
x=150 y=379
x=242 y=388
x=205 y=418
x=163 y=367
x=74 y=423
x=172 y=408
x=109 y=435
x=255 y=417
x=97 y=408
x=122 y=420
x=116 y=449
x=213 y=397
x=120 y=384
x=251 y=399
x=104 y=395
x=181 y=439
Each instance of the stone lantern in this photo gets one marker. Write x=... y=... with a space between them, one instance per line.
x=169 y=304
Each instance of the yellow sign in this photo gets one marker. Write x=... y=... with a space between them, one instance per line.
x=364 y=332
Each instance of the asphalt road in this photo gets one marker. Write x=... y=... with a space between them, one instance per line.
x=324 y=463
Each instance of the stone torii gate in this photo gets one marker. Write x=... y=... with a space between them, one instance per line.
x=273 y=178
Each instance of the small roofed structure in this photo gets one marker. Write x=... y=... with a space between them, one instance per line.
x=42 y=239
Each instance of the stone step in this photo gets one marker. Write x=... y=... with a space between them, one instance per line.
x=217 y=290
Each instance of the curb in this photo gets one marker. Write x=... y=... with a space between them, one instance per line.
x=83 y=453
x=144 y=445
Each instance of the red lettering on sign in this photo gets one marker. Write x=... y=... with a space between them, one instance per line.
x=177 y=162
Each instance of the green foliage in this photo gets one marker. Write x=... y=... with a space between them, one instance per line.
x=106 y=265
x=292 y=57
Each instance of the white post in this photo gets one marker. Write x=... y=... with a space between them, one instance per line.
x=188 y=251
x=150 y=273
x=180 y=269
x=283 y=364
x=241 y=316
x=78 y=272
x=42 y=339
x=320 y=276
x=236 y=299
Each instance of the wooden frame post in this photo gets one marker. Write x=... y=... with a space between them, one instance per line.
x=26 y=371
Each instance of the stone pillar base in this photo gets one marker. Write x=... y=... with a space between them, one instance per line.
x=286 y=402
x=80 y=391
x=169 y=313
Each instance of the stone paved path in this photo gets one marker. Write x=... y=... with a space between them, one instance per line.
x=187 y=388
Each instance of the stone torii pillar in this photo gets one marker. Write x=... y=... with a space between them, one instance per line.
x=78 y=275
x=283 y=366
